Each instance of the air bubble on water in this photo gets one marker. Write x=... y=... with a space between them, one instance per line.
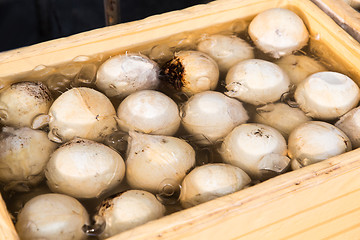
x=161 y=53
x=40 y=72
x=317 y=37
x=40 y=121
x=3 y=115
x=70 y=70
x=18 y=186
x=55 y=136
x=58 y=83
x=181 y=97
x=117 y=140
x=81 y=58
x=272 y=165
x=204 y=155
x=2 y=84
x=239 y=26
x=168 y=192
x=288 y=98
x=96 y=228
x=186 y=43
x=86 y=76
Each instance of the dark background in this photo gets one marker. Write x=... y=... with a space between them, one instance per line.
x=26 y=22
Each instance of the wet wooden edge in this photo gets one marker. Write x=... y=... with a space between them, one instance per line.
x=343 y=14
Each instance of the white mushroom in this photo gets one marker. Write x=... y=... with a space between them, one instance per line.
x=148 y=111
x=280 y=116
x=226 y=50
x=128 y=210
x=314 y=141
x=152 y=159
x=84 y=169
x=52 y=216
x=256 y=81
x=124 y=74
x=192 y=72
x=299 y=67
x=211 y=181
x=327 y=95
x=79 y=112
x=24 y=153
x=22 y=102
x=257 y=149
x=349 y=123
x=278 y=31
x=210 y=116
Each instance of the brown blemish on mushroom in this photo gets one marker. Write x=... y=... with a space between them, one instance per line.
x=36 y=89
x=174 y=73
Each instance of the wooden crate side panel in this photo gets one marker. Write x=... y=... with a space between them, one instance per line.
x=282 y=207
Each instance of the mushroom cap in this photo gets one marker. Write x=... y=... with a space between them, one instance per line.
x=256 y=81
x=327 y=95
x=278 y=31
x=81 y=112
x=124 y=74
x=148 y=111
x=314 y=141
x=49 y=215
x=84 y=169
x=211 y=181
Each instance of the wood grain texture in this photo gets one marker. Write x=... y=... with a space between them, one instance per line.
x=319 y=201
x=316 y=202
x=346 y=16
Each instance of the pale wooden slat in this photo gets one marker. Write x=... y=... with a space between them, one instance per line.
x=351 y=233
x=276 y=208
x=347 y=17
x=7 y=229
x=331 y=222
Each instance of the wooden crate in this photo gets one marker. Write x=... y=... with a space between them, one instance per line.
x=319 y=201
x=344 y=15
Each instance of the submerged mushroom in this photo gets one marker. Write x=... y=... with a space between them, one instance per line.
x=52 y=216
x=124 y=74
x=210 y=116
x=79 y=112
x=211 y=181
x=22 y=102
x=349 y=123
x=315 y=141
x=299 y=67
x=84 y=169
x=278 y=31
x=128 y=210
x=153 y=158
x=192 y=72
x=256 y=81
x=226 y=50
x=281 y=117
x=24 y=153
x=327 y=95
x=257 y=149
x=150 y=112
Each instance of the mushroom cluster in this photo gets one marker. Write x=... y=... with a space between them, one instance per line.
x=143 y=133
